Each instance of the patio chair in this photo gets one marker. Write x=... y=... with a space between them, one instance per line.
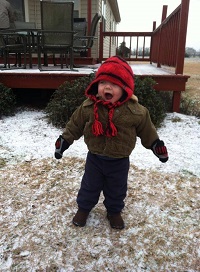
x=80 y=27
x=2 y=52
x=83 y=43
x=13 y=43
x=56 y=35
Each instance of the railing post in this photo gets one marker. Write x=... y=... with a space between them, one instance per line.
x=151 y=43
x=89 y=19
x=164 y=13
x=182 y=36
x=159 y=42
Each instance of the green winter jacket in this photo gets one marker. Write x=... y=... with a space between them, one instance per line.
x=131 y=120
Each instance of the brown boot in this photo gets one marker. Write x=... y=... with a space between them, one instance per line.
x=116 y=221
x=80 y=218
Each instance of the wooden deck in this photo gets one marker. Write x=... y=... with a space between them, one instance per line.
x=52 y=78
x=166 y=49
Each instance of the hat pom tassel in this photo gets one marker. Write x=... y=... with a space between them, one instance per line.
x=97 y=128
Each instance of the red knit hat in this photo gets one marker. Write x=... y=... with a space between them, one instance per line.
x=116 y=70
x=119 y=72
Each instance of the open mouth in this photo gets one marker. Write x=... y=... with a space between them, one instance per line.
x=108 y=96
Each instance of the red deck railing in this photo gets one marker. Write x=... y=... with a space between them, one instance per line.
x=136 y=45
x=165 y=40
x=165 y=45
x=168 y=40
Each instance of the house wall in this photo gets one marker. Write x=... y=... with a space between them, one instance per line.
x=34 y=12
x=110 y=25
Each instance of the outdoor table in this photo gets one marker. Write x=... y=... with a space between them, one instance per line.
x=31 y=36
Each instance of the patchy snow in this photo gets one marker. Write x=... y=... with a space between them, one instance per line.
x=52 y=70
x=28 y=136
x=38 y=201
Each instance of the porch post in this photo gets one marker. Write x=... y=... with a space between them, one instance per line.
x=176 y=100
x=101 y=43
x=89 y=19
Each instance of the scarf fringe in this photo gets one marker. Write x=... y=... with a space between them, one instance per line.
x=97 y=128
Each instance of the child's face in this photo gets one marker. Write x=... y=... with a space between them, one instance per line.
x=109 y=91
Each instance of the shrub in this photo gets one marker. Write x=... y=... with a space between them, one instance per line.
x=189 y=106
x=151 y=99
x=66 y=99
x=7 y=101
x=166 y=98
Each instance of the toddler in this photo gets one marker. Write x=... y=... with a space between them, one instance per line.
x=110 y=119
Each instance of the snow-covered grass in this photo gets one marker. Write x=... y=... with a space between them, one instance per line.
x=38 y=201
x=28 y=136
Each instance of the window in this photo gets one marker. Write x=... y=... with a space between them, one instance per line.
x=76 y=3
x=18 y=9
x=76 y=6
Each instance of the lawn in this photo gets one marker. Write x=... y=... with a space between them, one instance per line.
x=38 y=202
x=192 y=68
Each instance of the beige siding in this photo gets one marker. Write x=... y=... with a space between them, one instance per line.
x=109 y=26
x=34 y=12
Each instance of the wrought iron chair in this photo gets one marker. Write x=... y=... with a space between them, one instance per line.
x=13 y=43
x=56 y=35
x=2 y=52
x=18 y=41
x=83 y=43
x=80 y=26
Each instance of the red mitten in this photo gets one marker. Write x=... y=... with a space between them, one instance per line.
x=159 y=149
x=61 y=146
